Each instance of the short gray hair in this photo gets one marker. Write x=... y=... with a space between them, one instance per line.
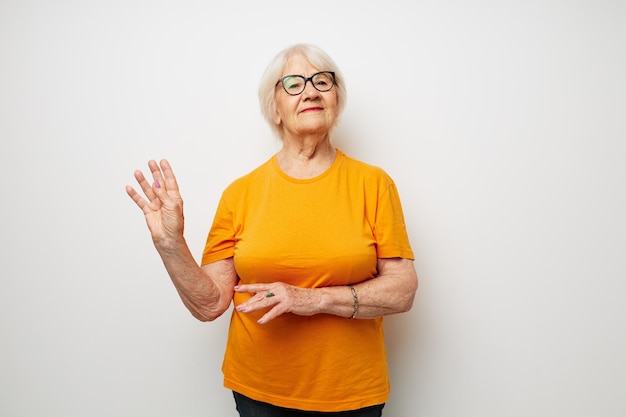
x=267 y=85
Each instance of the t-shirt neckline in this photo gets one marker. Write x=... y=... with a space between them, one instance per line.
x=324 y=174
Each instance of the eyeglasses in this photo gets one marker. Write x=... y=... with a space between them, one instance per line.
x=295 y=84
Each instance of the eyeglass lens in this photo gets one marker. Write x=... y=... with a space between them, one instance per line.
x=295 y=84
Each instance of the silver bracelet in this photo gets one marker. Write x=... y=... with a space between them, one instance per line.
x=356 y=301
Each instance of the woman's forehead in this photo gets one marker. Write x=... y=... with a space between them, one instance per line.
x=298 y=64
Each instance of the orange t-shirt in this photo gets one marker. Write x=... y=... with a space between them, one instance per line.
x=324 y=231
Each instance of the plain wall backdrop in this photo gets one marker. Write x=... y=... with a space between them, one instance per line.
x=503 y=124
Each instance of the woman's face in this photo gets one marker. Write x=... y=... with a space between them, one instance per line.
x=312 y=112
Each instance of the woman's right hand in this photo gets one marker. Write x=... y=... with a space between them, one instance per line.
x=208 y=291
x=162 y=205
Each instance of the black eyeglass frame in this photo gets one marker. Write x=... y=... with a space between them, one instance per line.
x=332 y=77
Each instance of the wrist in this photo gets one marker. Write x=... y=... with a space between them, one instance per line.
x=170 y=245
x=355 y=299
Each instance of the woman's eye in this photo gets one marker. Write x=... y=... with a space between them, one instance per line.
x=292 y=83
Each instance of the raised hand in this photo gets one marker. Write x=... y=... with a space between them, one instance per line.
x=162 y=205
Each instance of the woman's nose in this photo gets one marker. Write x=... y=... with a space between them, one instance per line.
x=309 y=90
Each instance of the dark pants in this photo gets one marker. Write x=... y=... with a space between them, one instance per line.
x=248 y=407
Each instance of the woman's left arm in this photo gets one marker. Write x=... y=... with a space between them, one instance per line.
x=392 y=291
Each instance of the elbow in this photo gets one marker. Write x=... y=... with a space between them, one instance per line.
x=407 y=305
x=410 y=291
x=205 y=314
x=204 y=317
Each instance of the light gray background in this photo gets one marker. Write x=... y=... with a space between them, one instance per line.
x=502 y=122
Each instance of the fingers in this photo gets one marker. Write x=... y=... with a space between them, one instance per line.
x=270 y=315
x=252 y=288
x=134 y=195
x=168 y=174
x=264 y=298
x=146 y=187
x=163 y=186
x=152 y=202
x=163 y=176
x=275 y=309
x=260 y=300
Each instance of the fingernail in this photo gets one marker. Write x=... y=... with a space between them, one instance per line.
x=157 y=184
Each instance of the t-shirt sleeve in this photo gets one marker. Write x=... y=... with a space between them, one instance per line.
x=220 y=243
x=390 y=232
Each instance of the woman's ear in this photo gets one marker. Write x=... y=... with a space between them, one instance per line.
x=275 y=115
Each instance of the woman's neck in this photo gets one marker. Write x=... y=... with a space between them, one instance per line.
x=303 y=159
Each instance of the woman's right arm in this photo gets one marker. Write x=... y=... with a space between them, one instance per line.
x=206 y=291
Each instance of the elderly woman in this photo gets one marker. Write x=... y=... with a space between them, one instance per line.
x=312 y=249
